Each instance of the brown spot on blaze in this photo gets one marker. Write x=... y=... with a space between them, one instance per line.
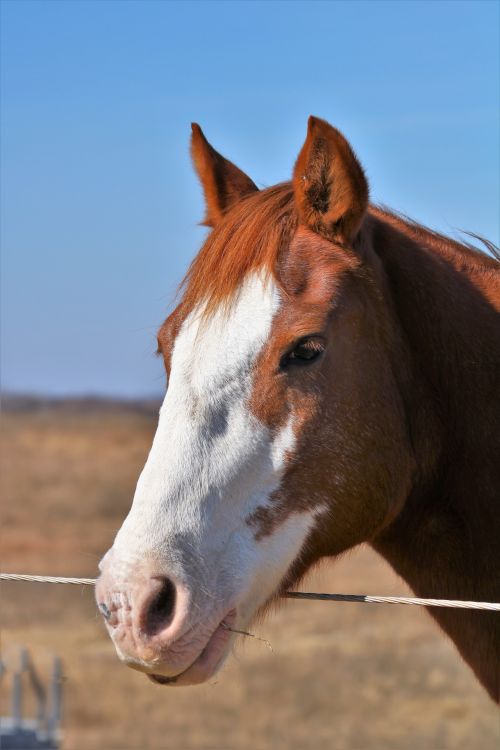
x=266 y=519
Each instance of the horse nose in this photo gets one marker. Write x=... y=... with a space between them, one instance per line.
x=155 y=613
x=143 y=613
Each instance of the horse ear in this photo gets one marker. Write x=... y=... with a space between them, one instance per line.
x=331 y=190
x=222 y=182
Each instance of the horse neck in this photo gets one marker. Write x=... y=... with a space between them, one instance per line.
x=445 y=540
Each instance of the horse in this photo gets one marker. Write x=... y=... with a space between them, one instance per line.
x=333 y=371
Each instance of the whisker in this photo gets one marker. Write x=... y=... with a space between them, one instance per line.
x=250 y=635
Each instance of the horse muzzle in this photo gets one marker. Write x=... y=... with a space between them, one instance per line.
x=156 y=628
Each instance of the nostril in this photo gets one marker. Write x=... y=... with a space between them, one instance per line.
x=160 y=611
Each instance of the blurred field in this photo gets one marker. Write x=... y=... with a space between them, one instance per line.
x=342 y=676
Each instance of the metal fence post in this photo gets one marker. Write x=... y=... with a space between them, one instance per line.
x=56 y=692
x=17 y=700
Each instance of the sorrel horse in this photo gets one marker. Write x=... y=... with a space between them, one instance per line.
x=333 y=373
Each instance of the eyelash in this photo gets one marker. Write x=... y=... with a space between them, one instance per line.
x=311 y=347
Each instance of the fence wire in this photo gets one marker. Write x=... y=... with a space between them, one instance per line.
x=311 y=596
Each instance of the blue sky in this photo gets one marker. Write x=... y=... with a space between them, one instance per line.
x=99 y=202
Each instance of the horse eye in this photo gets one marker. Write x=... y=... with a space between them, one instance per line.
x=304 y=352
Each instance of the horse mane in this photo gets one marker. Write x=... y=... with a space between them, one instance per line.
x=257 y=230
x=489 y=255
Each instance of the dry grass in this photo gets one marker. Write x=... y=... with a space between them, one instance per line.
x=343 y=676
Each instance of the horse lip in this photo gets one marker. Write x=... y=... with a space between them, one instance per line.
x=161 y=680
x=224 y=624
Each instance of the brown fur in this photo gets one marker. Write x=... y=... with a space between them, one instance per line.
x=397 y=432
x=223 y=183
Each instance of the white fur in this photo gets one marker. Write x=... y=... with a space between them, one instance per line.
x=213 y=464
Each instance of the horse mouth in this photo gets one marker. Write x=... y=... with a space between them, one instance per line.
x=208 y=661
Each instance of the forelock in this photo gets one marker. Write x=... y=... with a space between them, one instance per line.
x=251 y=238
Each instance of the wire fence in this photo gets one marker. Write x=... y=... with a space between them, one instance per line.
x=358 y=598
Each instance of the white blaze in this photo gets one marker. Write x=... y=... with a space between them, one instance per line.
x=212 y=464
